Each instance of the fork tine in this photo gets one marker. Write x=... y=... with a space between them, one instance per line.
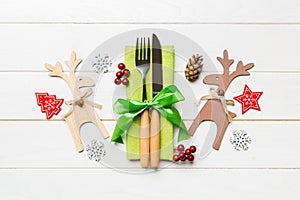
x=148 y=50
x=137 y=49
x=144 y=49
x=141 y=49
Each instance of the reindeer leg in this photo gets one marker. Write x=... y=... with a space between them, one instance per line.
x=75 y=132
x=101 y=126
x=203 y=115
x=221 y=131
x=195 y=124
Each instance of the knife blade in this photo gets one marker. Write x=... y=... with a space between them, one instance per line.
x=157 y=86
x=157 y=81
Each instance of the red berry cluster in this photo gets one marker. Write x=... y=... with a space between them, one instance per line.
x=184 y=154
x=120 y=74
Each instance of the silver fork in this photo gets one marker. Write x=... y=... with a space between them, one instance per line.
x=142 y=62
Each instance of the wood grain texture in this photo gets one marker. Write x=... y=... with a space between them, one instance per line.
x=166 y=11
x=37 y=157
x=251 y=184
x=245 y=42
x=154 y=139
x=274 y=145
x=145 y=139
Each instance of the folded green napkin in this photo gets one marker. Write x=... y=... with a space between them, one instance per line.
x=134 y=91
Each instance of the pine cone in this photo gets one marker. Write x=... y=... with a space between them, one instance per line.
x=194 y=67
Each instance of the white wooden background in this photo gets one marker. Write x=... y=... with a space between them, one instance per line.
x=37 y=157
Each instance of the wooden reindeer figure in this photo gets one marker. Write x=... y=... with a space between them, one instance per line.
x=82 y=110
x=215 y=109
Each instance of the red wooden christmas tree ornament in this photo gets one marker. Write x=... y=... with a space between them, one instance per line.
x=49 y=104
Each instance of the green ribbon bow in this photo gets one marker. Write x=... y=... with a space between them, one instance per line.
x=162 y=102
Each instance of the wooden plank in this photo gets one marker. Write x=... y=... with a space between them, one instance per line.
x=50 y=145
x=38 y=159
x=166 y=11
x=108 y=184
x=270 y=47
x=22 y=105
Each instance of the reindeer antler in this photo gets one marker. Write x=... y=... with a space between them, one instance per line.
x=226 y=78
x=226 y=63
x=57 y=70
x=241 y=70
x=73 y=63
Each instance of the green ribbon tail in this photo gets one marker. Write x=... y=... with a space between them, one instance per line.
x=125 y=121
x=183 y=133
x=172 y=115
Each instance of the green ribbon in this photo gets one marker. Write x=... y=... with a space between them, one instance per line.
x=162 y=102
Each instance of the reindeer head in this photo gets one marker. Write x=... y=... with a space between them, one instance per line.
x=224 y=80
x=84 y=81
x=215 y=79
x=74 y=82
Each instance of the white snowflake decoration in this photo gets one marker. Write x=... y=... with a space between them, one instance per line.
x=49 y=104
x=240 y=140
x=102 y=63
x=95 y=150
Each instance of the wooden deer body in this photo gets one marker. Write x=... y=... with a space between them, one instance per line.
x=82 y=110
x=214 y=109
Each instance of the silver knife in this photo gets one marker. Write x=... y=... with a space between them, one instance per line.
x=157 y=74
x=157 y=85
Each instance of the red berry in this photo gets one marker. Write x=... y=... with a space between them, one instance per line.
x=121 y=66
x=119 y=74
x=181 y=155
x=187 y=152
x=125 y=81
x=193 y=149
x=190 y=158
x=126 y=72
x=180 y=148
x=176 y=158
x=183 y=158
x=117 y=81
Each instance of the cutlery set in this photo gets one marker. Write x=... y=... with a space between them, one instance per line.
x=149 y=132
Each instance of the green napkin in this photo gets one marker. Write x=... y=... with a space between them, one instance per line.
x=134 y=91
